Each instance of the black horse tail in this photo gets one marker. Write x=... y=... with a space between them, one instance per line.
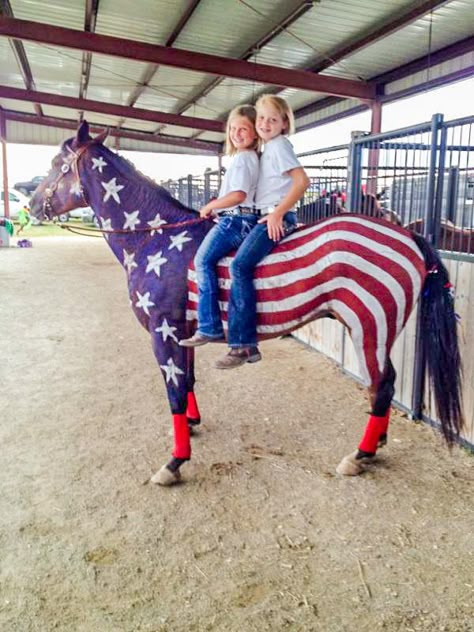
x=439 y=340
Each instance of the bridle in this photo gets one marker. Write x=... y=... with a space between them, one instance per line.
x=73 y=165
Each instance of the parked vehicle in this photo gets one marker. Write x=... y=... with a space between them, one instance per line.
x=16 y=201
x=29 y=186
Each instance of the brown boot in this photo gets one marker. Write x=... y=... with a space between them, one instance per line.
x=237 y=357
x=197 y=340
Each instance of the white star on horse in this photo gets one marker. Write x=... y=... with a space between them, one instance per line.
x=112 y=188
x=98 y=163
x=177 y=241
x=144 y=302
x=166 y=330
x=171 y=371
x=106 y=223
x=155 y=262
x=156 y=223
x=131 y=220
x=129 y=261
x=76 y=188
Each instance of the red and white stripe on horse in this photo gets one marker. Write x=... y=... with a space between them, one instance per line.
x=367 y=273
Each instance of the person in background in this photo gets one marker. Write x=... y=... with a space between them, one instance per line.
x=24 y=219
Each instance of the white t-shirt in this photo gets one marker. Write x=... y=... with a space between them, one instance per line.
x=274 y=183
x=242 y=175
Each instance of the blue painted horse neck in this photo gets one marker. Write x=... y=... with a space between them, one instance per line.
x=142 y=215
x=106 y=176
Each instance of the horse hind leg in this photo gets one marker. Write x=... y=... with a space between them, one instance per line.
x=192 y=409
x=375 y=434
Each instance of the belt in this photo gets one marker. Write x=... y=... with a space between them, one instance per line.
x=241 y=210
x=265 y=210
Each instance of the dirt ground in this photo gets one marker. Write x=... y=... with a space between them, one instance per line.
x=262 y=535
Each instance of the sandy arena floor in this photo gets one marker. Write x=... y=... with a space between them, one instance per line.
x=262 y=536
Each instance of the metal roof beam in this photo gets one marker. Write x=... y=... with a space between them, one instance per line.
x=20 y=56
x=294 y=15
x=452 y=51
x=178 y=58
x=393 y=25
x=111 y=109
x=426 y=61
x=49 y=121
x=151 y=70
x=90 y=19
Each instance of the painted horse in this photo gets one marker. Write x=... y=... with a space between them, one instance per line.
x=364 y=272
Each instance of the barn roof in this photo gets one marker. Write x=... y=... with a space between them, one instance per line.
x=163 y=74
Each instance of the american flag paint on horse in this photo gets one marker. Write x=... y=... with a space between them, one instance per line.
x=365 y=272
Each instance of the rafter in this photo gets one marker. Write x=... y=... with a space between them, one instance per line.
x=276 y=30
x=90 y=19
x=111 y=109
x=150 y=71
x=20 y=56
x=179 y=58
x=49 y=121
x=394 y=24
x=452 y=51
x=401 y=20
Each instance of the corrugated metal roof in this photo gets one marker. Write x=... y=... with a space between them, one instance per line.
x=285 y=33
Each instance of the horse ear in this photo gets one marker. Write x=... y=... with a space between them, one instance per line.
x=83 y=135
x=100 y=138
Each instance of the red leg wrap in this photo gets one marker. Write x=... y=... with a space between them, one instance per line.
x=182 y=443
x=192 y=410
x=376 y=426
x=386 y=419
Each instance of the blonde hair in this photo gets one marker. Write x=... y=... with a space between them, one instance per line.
x=283 y=107
x=250 y=113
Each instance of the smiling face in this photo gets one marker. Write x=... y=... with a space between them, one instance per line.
x=242 y=133
x=270 y=121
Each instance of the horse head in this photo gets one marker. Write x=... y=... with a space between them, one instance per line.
x=61 y=190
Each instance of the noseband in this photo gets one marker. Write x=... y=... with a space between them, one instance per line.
x=72 y=164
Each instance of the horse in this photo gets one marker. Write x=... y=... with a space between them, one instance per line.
x=451 y=237
x=364 y=272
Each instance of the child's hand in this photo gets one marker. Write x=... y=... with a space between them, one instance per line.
x=275 y=227
x=206 y=211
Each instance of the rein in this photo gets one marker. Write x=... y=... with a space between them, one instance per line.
x=74 y=165
x=84 y=230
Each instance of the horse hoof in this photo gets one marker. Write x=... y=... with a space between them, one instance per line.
x=350 y=466
x=166 y=477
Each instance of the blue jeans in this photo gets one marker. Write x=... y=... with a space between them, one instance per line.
x=242 y=313
x=227 y=235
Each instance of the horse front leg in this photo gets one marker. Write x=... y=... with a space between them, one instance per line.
x=375 y=434
x=173 y=361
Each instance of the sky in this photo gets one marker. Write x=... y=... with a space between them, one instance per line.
x=453 y=101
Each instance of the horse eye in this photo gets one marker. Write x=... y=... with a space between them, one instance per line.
x=65 y=168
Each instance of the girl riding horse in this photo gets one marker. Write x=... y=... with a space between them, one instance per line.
x=363 y=271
